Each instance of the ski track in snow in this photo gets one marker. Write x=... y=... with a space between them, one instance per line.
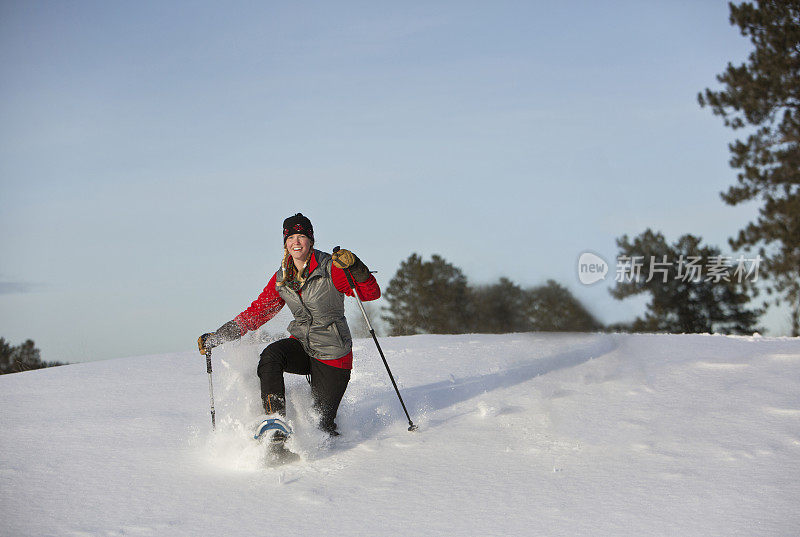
x=519 y=434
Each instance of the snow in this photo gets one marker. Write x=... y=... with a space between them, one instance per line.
x=519 y=434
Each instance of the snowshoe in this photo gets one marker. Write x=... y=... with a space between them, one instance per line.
x=274 y=432
x=270 y=426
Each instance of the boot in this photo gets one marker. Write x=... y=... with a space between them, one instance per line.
x=274 y=404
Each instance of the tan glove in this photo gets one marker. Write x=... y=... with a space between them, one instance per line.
x=206 y=342
x=348 y=261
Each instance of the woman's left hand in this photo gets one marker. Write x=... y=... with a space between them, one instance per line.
x=347 y=260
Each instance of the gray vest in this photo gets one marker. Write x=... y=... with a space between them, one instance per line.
x=319 y=323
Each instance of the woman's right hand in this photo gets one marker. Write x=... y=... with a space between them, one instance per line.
x=207 y=341
x=227 y=332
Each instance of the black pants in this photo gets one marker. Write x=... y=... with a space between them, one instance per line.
x=328 y=383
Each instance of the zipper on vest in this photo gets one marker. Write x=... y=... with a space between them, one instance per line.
x=311 y=322
x=308 y=311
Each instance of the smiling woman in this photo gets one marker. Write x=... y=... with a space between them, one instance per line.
x=313 y=284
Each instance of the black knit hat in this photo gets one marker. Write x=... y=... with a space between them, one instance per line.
x=298 y=224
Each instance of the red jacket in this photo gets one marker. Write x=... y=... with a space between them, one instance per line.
x=269 y=303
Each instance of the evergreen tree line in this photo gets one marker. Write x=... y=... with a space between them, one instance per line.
x=24 y=357
x=434 y=297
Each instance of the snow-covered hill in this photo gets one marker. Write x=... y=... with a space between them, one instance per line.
x=521 y=434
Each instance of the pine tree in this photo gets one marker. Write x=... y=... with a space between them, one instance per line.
x=27 y=357
x=763 y=95
x=683 y=300
x=6 y=356
x=498 y=308
x=22 y=357
x=552 y=308
x=427 y=297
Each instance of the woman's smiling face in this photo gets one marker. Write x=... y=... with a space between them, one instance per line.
x=299 y=247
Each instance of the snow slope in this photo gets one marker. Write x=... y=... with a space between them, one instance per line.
x=520 y=434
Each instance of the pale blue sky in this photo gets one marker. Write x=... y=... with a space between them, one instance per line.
x=149 y=151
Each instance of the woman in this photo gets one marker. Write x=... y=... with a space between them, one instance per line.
x=313 y=284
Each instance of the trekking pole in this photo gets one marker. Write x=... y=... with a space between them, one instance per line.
x=411 y=426
x=210 y=389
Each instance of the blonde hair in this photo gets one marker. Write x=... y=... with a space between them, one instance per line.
x=289 y=269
